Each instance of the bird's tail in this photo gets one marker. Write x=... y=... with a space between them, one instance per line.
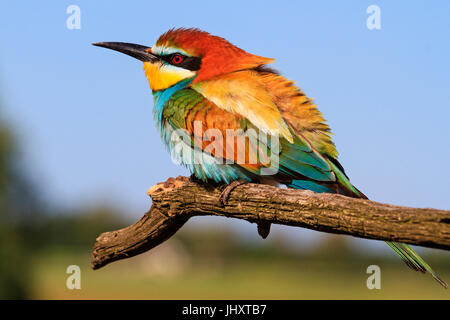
x=408 y=255
x=414 y=261
x=343 y=186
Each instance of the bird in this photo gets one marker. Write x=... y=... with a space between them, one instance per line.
x=204 y=87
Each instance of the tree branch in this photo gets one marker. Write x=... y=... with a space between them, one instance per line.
x=177 y=200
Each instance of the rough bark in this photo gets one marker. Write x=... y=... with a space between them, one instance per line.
x=177 y=200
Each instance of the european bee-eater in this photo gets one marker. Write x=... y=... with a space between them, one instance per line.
x=196 y=77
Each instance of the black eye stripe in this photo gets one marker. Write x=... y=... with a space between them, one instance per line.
x=189 y=63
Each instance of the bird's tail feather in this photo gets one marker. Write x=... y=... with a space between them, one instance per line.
x=408 y=255
x=414 y=261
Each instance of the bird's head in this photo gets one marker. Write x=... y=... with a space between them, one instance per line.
x=181 y=54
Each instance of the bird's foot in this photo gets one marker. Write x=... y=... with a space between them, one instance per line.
x=263 y=227
x=225 y=194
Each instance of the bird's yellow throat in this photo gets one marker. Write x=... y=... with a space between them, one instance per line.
x=161 y=76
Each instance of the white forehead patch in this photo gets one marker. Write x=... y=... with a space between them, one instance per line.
x=163 y=50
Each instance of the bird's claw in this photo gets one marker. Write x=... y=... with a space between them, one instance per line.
x=225 y=194
x=263 y=227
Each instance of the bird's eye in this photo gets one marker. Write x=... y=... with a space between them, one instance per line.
x=177 y=59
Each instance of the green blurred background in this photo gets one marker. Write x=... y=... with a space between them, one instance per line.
x=38 y=243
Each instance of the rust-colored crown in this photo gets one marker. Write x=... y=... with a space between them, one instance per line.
x=218 y=55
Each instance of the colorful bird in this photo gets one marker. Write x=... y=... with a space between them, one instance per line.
x=227 y=117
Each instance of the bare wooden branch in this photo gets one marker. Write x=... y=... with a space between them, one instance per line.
x=177 y=200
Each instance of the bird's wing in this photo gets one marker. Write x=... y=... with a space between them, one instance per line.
x=213 y=130
x=274 y=105
x=244 y=94
x=296 y=163
x=299 y=111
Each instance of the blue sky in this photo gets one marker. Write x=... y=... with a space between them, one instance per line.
x=84 y=114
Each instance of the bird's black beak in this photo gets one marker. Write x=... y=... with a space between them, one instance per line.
x=137 y=51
